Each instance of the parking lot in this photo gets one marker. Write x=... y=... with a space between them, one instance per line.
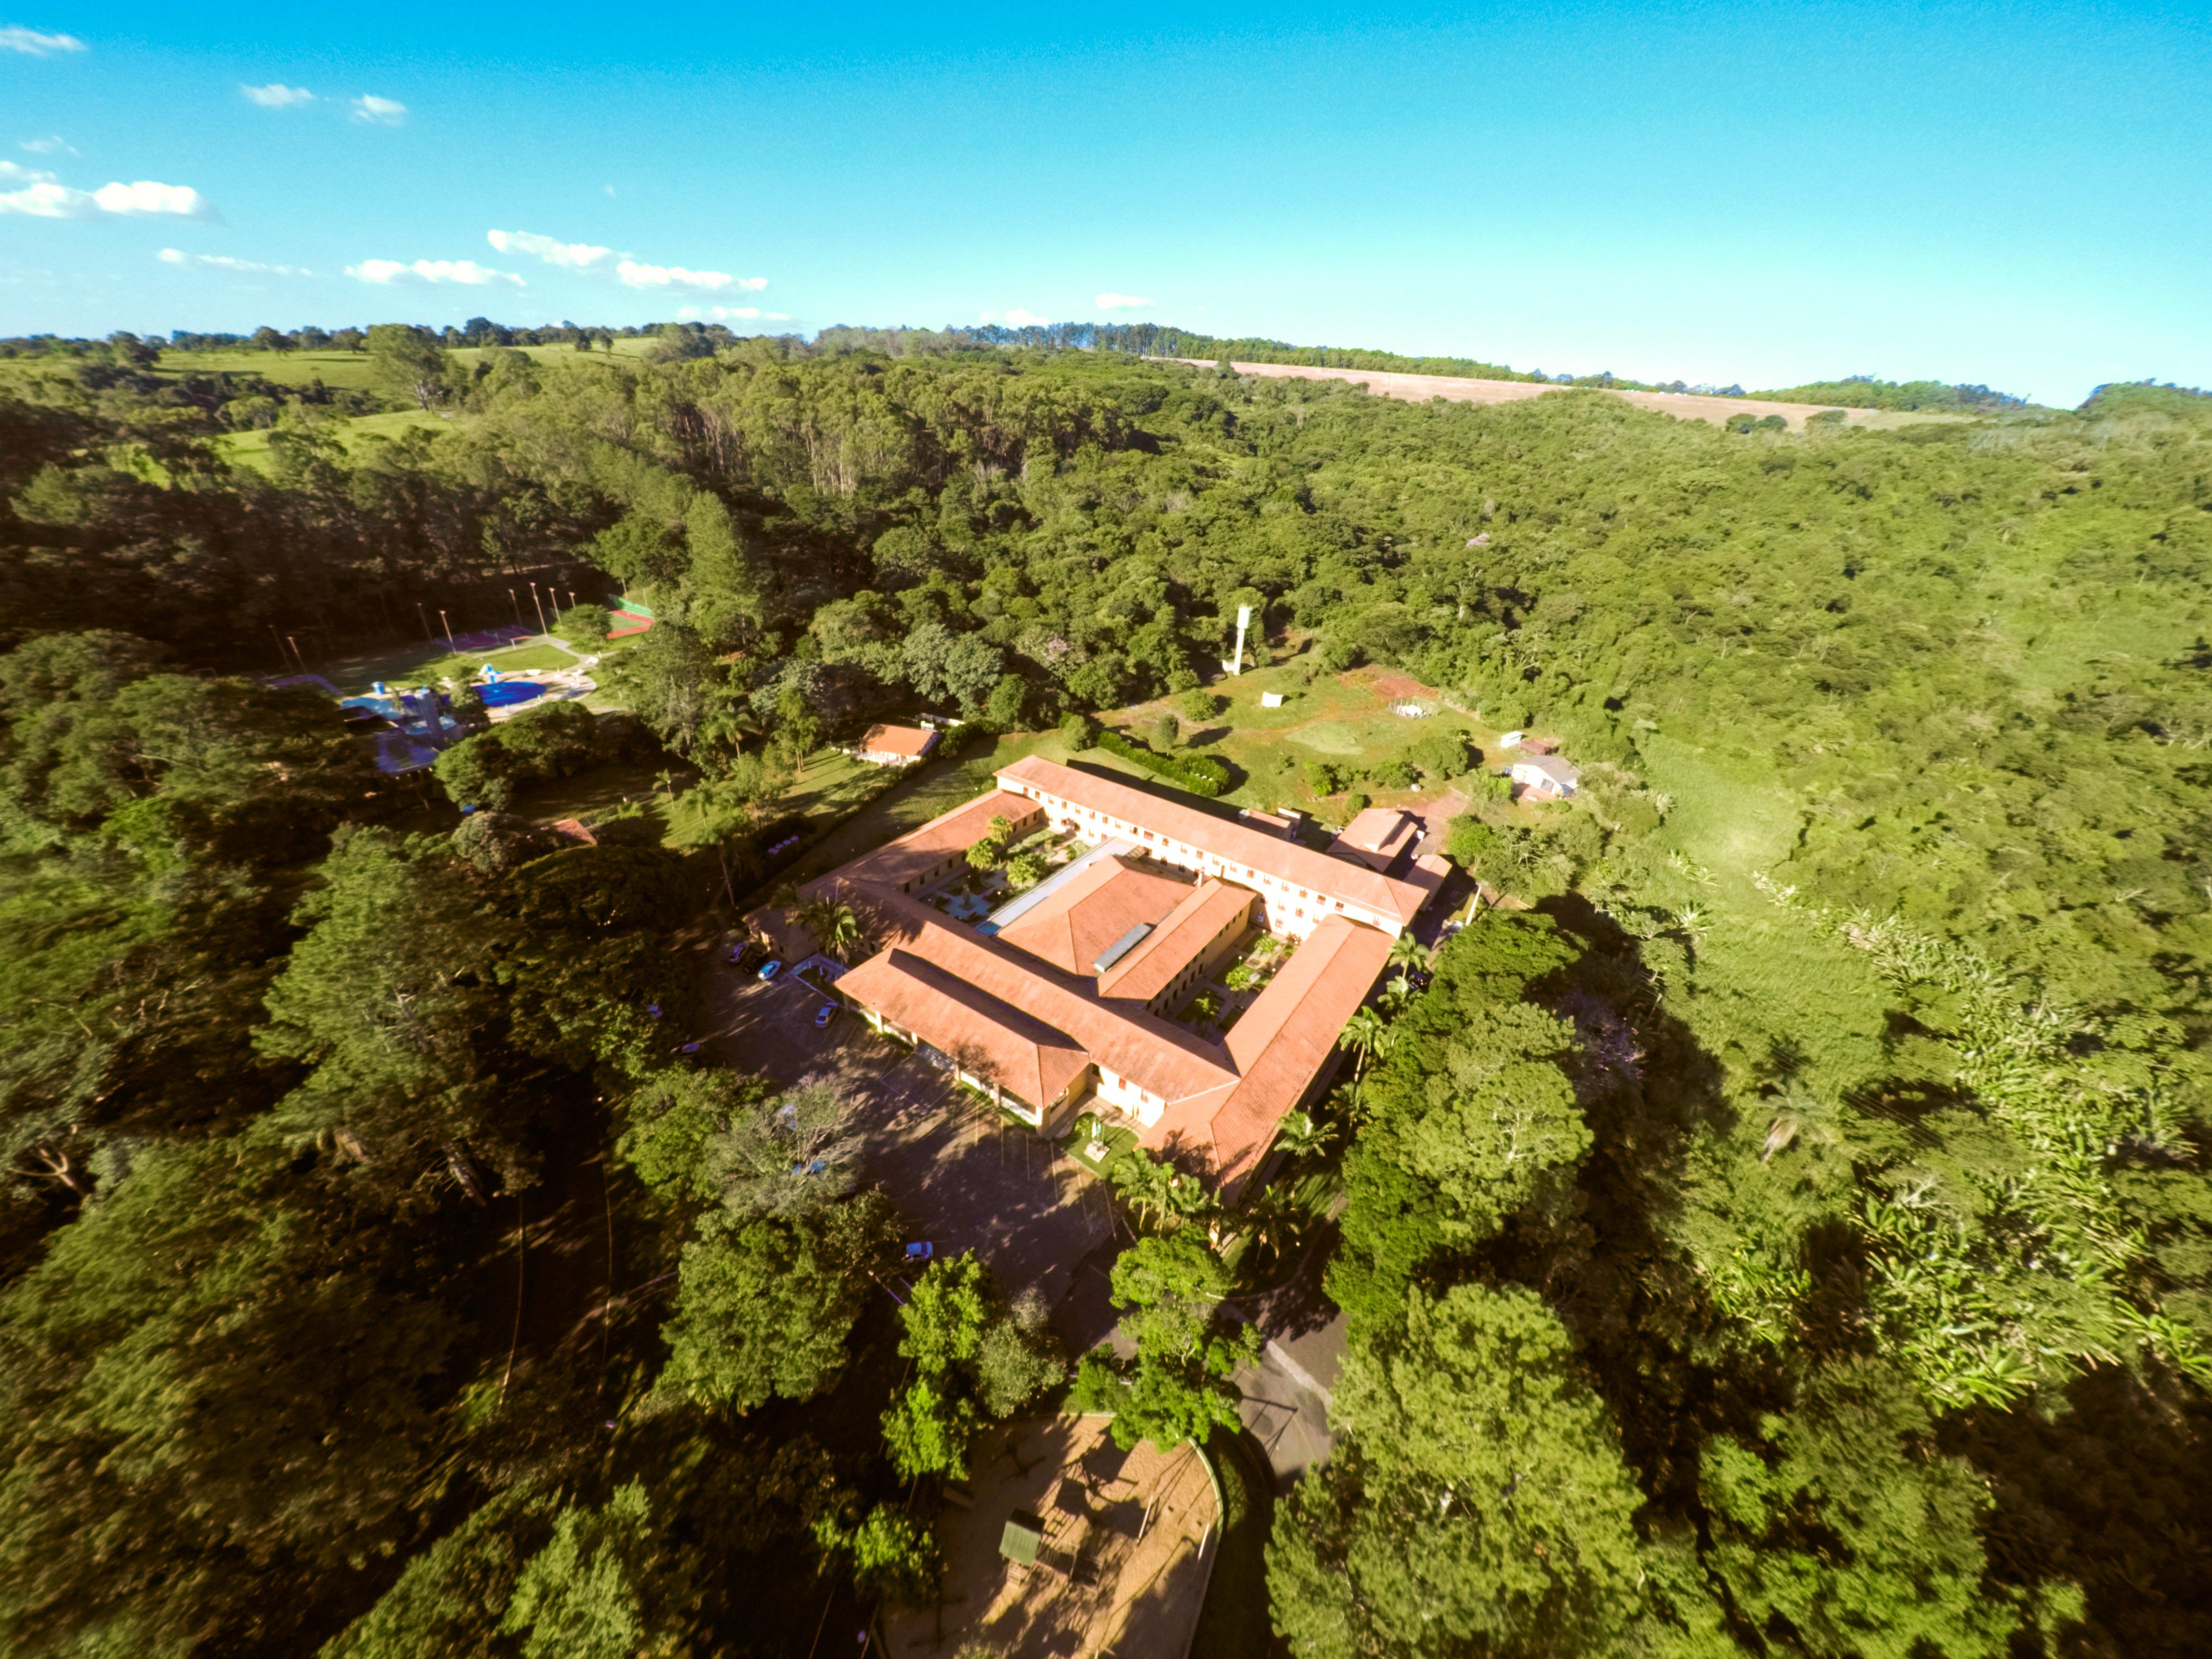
x=964 y=1178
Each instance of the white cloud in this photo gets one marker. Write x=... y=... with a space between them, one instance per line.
x=42 y=198
x=32 y=44
x=635 y=274
x=1019 y=318
x=379 y=111
x=278 y=95
x=56 y=145
x=733 y=314
x=628 y=270
x=1119 y=301
x=146 y=197
x=569 y=256
x=465 y=271
x=169 y=256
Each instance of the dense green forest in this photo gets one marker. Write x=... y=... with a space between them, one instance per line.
x=1791 y=1234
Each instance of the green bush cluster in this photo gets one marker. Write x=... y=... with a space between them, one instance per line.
x=1437 y=756
x=1201 y=774
x=541 y=745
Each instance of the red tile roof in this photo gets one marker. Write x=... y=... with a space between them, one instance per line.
x=1010 y=1008
x=1278 y=1047
x=1170 y=948
x=1381 y=830
x=920 y=851
x=912 y=741
x=987 y=1037
x=1163 y=1060
x=1233 y=843
x=1071 y=926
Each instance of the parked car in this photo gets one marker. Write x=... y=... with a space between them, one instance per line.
x=922 y=1251
x=824 y=1014
x=774 y=967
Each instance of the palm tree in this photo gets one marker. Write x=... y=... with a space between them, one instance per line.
x=1408 y=953
x=1276 y=1218
x=836 y=927
x=1301 y=1135
x=1366 y=1036
x=1143 y=1184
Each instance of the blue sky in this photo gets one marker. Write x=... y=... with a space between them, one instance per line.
x=2017 y=195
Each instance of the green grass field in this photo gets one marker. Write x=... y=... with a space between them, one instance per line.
x=349 y=369
x=251 y=448
x=426 y=664
x=1343 y=718
x=936 y=786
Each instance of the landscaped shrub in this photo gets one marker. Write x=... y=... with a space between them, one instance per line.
x=1199 y=773
x=1443 y=753
x=557 y=741
x=1323 y=778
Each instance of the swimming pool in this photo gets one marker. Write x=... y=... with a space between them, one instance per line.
x=504 y=693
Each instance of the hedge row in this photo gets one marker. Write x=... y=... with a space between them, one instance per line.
x=1199 y=773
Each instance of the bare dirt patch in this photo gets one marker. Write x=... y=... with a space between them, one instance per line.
x=1390 y=684
x=1129 y=1542
x=1420 y=388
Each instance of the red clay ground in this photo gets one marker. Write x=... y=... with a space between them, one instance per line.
x=1129 y=1541
x=1390 y=684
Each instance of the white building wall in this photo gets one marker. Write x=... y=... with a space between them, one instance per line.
x=1117 y=1090
x=1285 y=908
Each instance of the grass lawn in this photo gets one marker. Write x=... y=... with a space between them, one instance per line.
x=1341 y=718
x=251 y=448
x=831 y=785
x=604 y=787
x=935 y=787
x=1233 y=1623
x=422 y=663
x=349 y=369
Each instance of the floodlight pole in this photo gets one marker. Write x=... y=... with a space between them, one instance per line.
x=297 y=657
x=517 y=604
x=450 y=646
x=540 y=603
x=428 y=633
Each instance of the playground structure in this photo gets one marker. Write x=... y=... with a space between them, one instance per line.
x=1111 y=1550
x=409 y=725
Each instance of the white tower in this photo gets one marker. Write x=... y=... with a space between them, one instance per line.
x=1236 y=662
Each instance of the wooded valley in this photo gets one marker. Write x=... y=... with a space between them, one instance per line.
x=1788 y=1234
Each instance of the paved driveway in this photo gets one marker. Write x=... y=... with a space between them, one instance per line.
x=964 y=1179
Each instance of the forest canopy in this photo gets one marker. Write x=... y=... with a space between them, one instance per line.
x=1784 y=1228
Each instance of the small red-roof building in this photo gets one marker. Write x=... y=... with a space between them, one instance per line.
x=894 y=745
x=1377 y=836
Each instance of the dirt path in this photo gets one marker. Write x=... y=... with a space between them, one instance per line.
x=1420 y=388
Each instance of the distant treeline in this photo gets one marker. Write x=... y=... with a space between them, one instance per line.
x=691 y=339
x=476 y=331
x=1865 y=391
